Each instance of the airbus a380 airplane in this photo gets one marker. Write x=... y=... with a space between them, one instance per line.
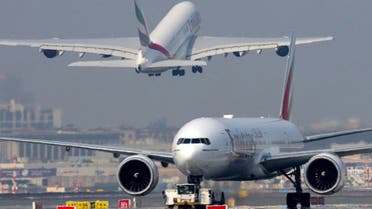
x=236 y=149
x=173 y=44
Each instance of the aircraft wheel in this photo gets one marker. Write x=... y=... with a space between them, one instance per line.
x=158 y=74
x=181 y=72
x=200 y=69
x=194 y=69
x=292 y=200
x=175 y=72
x=200 y=207
x=305 y=200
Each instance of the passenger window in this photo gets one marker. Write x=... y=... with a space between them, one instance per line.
x=195 y=141
x=186 y=141
x=179 y=141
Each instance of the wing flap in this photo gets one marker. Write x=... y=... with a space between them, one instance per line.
x=155 y=155
x=105 y=64
x=120 y=47
x=113 y=51
x=205 y=46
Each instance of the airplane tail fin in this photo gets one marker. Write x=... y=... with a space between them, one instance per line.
x=143 y=31
x=286 y=105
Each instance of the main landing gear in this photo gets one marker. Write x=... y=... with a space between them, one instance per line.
x=196 y=69
x=194 y=180
x=181 y=72
x=298 y=197
x=154 y=74
x=178 y=72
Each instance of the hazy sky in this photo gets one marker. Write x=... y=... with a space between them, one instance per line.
x=332 y=80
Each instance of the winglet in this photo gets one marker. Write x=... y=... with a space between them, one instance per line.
x=143 y=32
x=285 y=111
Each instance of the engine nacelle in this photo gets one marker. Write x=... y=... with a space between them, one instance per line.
x=50 y=53
x=137 y=175
x=325 y=174
x=282 y=51
x=239 y=54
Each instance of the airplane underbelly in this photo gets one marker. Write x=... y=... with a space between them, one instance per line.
x=242 y=169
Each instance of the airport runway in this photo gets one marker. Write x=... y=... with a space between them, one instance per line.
x=345 y=199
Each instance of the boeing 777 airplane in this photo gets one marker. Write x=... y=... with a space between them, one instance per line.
x=172 y=45
x=236 y=149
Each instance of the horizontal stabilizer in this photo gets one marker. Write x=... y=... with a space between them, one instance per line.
x=176 y=63
x=105 y=63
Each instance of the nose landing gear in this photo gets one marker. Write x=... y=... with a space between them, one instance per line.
x=194 y=179
x=298 y=197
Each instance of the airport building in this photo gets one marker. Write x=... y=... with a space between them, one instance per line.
x=16 y=117
x=26 y=152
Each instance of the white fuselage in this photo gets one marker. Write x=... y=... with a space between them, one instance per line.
x=171 y=38
x=236 y=146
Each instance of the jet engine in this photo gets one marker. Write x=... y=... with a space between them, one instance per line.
x=50 y=53
x=282 y=51
x=137 y=175
x=325 y=174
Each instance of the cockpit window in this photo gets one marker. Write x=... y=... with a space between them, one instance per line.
x=193 y=141
x=205 y=141
x=179 y=141
x=186 y=141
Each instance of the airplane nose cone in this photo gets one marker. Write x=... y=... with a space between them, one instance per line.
x=187 y=160
x=185 y=154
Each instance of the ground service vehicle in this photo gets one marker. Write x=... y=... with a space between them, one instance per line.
x=188 y=196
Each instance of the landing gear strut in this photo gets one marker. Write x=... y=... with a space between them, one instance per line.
x=194 y=180
x=298 y=197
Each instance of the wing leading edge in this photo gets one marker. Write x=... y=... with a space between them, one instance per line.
x=119 y=47
x=206 y=46
x=132 y=64
x=284 y=161
x=155 y=155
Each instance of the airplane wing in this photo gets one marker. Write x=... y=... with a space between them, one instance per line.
x=105 y=64
x=284 y=161
x=132 y=64
x=155 y=155
x=319 y=137
x=119 y=47
x=290 y=159
x=206 y=46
